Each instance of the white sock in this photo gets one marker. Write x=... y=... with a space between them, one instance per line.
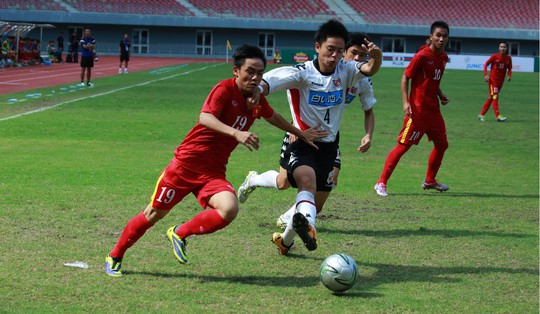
x=286 y=216
x=305 y=204
x=266 y=179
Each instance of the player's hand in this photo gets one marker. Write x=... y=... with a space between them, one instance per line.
x=407 y=109
x=371 y=49
x=509 y=78
x=248 y=139
x=365 y=144
x=335 y=175
x=444 y=100
x=486 y=78
x=310 y=135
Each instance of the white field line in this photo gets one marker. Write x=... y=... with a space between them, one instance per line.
x=105 y=93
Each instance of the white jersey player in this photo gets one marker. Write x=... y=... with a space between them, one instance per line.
x=316 y=92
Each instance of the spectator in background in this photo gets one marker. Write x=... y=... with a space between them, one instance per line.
x=88 y=45
x=124 y=45
x=60 y=46
x=500 y=63
x=277 y=57
x=74 y=42
x=53 y=52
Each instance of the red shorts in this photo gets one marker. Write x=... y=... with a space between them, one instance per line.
x=414 y=128
x=494 y=88
x=175 y=182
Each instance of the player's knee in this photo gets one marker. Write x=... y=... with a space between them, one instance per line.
x=229 y=213
x=441 y=145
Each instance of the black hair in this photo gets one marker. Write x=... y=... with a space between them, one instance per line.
x=332 y=28
x=247 y=51
x=504 y=42
x=439 y=24
x=356 y=39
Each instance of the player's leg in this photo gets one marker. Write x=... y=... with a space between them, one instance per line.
x=82 y=74
x=126 y=60
x=496 y=97
x=408 y=136
x=487 y=104
x=120 y=65
x=440 y=144
x=285 y=218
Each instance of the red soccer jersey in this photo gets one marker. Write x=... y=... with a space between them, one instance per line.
x=207 y=151
x=425 y=71
x=499 y=65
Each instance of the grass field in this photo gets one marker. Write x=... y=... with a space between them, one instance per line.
x=73 y=175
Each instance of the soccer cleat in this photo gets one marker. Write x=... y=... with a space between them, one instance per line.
x=305 y=231
x=82 y=84
x=245 y=189
x=481 y=118
x=113 y=266
x=178 y=244
x=126 y=71
x=501 y=118
x=90 y=84
x=281 y=223
x=277 y=239
x=119 y=70
x=435 y=186
x=380 y=188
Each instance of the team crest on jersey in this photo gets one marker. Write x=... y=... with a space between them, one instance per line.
x=337 y=82
x=353 y=90
x=235 y=103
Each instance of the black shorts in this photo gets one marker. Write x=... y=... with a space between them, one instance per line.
x=285 y=153
x=87 y=62
x=124 y=57
x=321 y=160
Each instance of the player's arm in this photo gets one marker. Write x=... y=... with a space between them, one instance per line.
x=510 y=70
x=248 y=139
x=369 y=126
x=371 y=67
x=488 y=62
x=442 y=97
x=405 y=95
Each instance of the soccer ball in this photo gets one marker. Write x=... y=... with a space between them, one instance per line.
x=339 y=272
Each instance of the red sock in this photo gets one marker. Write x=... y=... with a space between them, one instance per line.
x=391 y=161
x=487 y=104
x=496 y=106
x=133 y=231
x=435 y=161
x=208 y=221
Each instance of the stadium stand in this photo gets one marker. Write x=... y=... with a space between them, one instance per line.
x=44 y=5
x=458 y=13
x=159 y=7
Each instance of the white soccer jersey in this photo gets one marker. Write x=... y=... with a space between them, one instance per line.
x=315 y=98
x=364 y=90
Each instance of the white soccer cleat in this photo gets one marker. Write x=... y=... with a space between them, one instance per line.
x=245 y=189
x=126 y=71
x=380 y=188
x=119 y=70
x=82 y=84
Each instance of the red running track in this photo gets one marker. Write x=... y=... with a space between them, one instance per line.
x=36 y=76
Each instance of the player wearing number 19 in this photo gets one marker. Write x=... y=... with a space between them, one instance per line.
x=421 y=109
x=199 y=163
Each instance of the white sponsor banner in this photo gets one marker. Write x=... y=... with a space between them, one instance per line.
x=458 y=62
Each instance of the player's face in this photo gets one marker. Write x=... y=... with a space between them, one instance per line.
x=439 y=38
x=249 y=75
x=354 y=53
x=503 y=49
x=329 y=53
x=87 y=33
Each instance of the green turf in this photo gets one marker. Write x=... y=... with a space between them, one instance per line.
x=72 y=176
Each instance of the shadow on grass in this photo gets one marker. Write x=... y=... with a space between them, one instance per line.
x=459 y=194
x=391 y=273
x=425 y=232
x=263 y=281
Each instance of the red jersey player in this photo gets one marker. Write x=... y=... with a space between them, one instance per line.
x=500 y=63
x=199 y=162
x=421 y=108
